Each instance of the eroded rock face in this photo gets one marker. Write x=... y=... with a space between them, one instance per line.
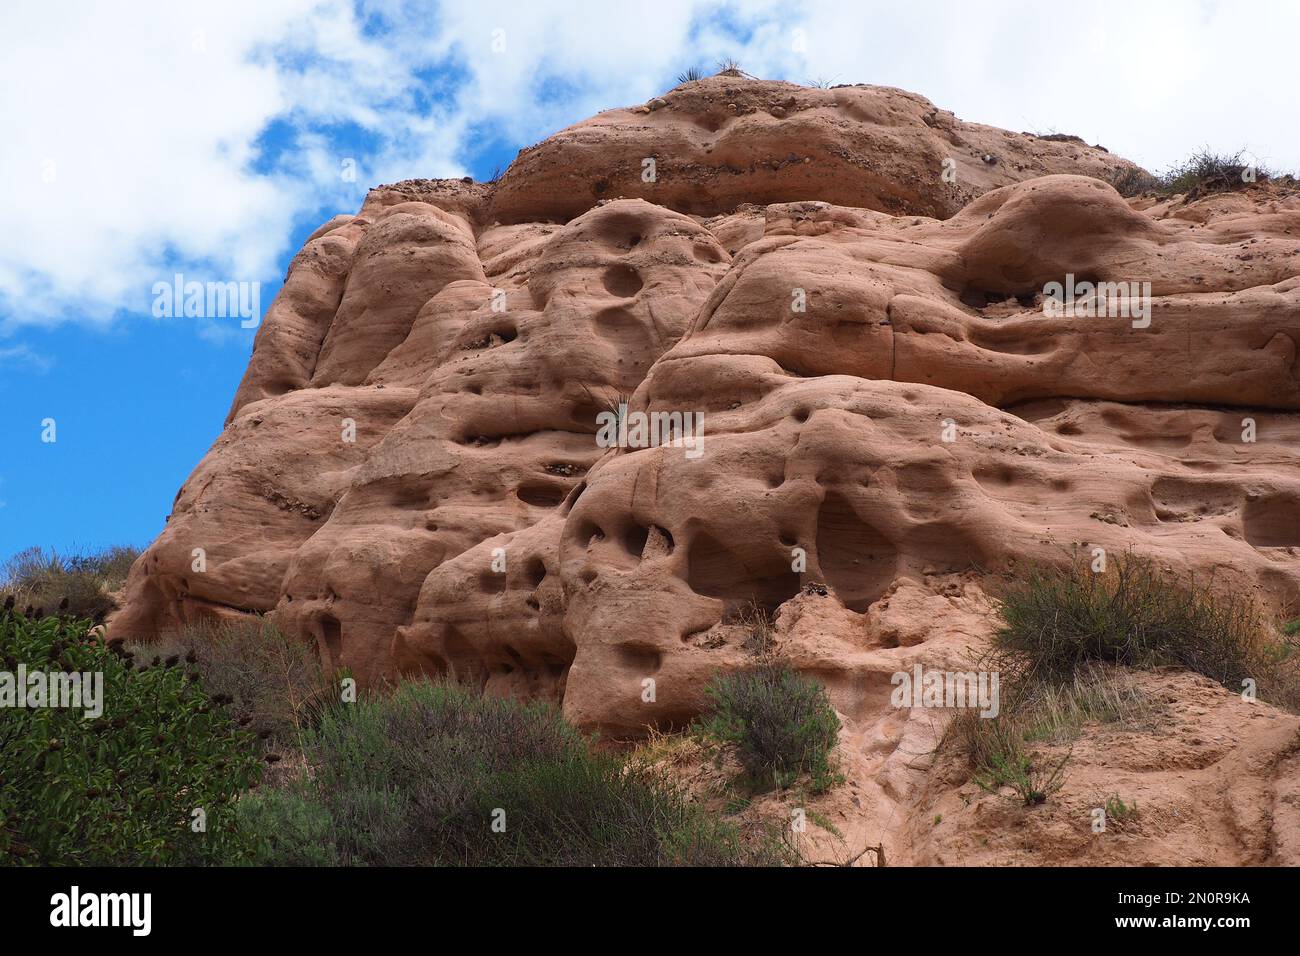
x=411 y=478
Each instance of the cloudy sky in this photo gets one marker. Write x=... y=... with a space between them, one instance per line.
x=144 y=139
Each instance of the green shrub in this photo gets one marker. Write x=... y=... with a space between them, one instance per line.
x=289 y=828
x=276 y=684
x=419 y=777
x=1201 y=174
x=119 y=788
x=780 y=723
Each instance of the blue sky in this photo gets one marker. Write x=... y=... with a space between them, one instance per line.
x=210 y=139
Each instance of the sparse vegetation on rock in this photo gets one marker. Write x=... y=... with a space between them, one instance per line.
x=77 y=585
x=1058 y=619
x=1202 y=173
x=1067 y=636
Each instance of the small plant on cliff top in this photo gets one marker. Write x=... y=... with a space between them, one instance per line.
x=780 y=722
x=1118 y=811
x=1199 y=175
x=1206 y=172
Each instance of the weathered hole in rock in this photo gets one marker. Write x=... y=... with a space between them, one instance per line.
x=590 y=533
x=1010 y=341
x=857 y=560
x=331 y=634
x=536 y=572
x=496 y=336
x=1176 y=499
x=399 y=493
x=1272 y=521
x=664 y=537
x=634 y=539
x=620 y=327
x=710 y=122
x=716 y=571
x=542 y=494
x=622 y=281
x=707 y=253
x=1001 y=476
x=491 y=582
x=645 y=659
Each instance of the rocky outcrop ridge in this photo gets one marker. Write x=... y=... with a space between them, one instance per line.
x=848 y=286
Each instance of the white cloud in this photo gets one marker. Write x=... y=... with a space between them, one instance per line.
x=125 y=139
x=130 y=133
x=145 y=117
x=1152 y=80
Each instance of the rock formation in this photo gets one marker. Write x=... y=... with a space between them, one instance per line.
x=848 y=286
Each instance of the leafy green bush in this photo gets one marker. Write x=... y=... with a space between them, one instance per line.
x=119 y=788
x=421 y=777
x=45 y=580
x=780 y=722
